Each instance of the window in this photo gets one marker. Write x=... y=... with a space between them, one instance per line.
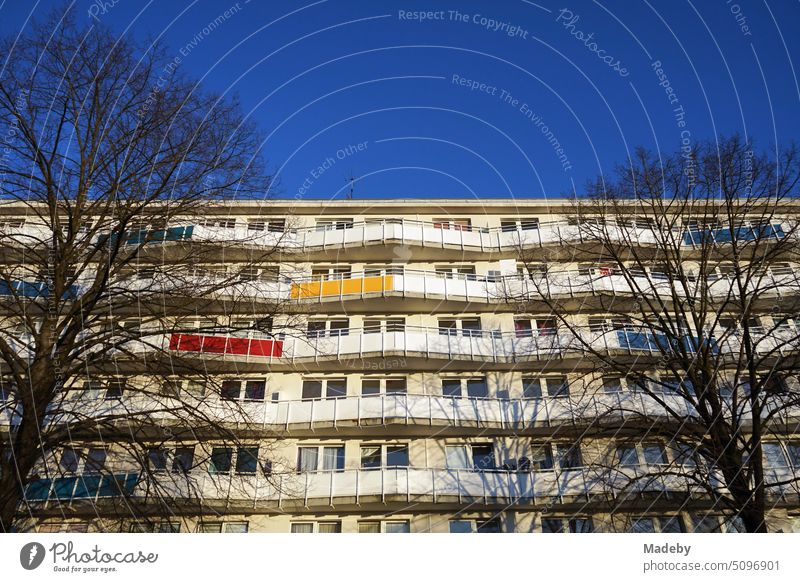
x=334 y=224
x=512 y=224
x=475 y=526
x=327 y=327
x=250 y=389
x=70 y=459
x=384 y=324
x=477 y=457
x=535 y=327
x=654 y=454
x=377 y=456
x=612 y=384
x=461 y=526
x=114 y=389
x=157 y=459
x=271 y=225
x=228 y=527
x=308 y=459
x=569 y=456
x=634 y=454
x=316 y=527
x=466 y=327
x=161 y=527
x=541 y=457
x=246 y=460
x=396 y=526
x=452 y=223
x=564 y=525
x=183 y=459
x=221 y=458
x=457 y=387
x=336 y=273
x=456 y=272
x=95 y=461
x=331 y=387
x=626 y=455
x=705 y=524
x=220 y=222
x=531 y=387
x=378 y=386
x=557 y=386
x=451 y=388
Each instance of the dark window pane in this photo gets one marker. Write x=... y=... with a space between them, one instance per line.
x=671 y=524
x=531 y=388
x=460 y=526
x=396 y=386
x=557 y=387
x=312 y=389
x=477 y=388
x=370 y=387
x=489 y=526
x=255 y=389
x=483 y=457
x=95 y=461
x=397 y=456
x=220 y=460
x=231 y=389
x=643 y=525
x=336 y=389
x=115 y=389
x=581 y=525
x=182 y=461
x=69 y=460
x=371 y=457
x=654 y=455
x=552 y=525
x=247 y=460
x=451 y=388
x=570 y=458
x=158 y=459
x=626 y=455
x=542 y=458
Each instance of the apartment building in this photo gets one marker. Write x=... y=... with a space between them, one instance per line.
x=414 y=381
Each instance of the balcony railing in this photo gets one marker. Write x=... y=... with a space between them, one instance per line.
x=575 y=408
x=418 y=232
x=469 y=344
x=403 y=484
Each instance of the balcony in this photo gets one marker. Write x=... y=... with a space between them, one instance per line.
x=425 y=348
x=399 y=289
x=431 y=486
x=421 y=236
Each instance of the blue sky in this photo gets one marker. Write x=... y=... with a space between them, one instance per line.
x=479 y=99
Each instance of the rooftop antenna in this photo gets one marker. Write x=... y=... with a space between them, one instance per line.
x=352 y=180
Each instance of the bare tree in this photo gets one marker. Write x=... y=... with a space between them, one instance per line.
x=687 y=292
x=112 y=160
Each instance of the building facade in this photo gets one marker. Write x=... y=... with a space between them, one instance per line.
x=410 y=382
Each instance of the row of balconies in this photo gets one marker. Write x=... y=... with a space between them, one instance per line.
x=408 y=284
x=441 y=234
x=457 y=344
x=425 y=347
x=416 y=410
x=403 y=484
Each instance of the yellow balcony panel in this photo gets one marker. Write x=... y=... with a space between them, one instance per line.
x=313 y=289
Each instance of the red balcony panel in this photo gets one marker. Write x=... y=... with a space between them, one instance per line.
x=214 y=344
